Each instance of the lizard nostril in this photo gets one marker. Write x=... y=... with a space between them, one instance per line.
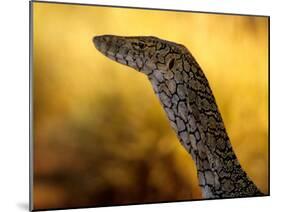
x=171 y=63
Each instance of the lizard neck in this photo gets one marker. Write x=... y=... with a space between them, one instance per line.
x=187 y=99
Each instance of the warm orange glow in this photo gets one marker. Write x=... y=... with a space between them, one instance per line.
x=101 y=136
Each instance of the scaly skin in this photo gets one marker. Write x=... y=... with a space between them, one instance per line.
x=187 y=99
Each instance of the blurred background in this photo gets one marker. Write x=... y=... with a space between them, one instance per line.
x=100 y=134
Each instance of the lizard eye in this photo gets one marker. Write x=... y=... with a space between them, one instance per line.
x=139 y=45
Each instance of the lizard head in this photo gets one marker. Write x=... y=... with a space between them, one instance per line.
x=146 y=54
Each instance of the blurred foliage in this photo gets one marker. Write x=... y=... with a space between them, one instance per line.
x=100 y=134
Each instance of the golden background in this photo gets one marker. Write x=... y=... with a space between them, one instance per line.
x=100 y=134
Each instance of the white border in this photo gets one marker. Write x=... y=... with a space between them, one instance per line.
x=14 y=88
x=255 y=7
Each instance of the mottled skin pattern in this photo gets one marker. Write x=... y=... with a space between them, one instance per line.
x=187 y=99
